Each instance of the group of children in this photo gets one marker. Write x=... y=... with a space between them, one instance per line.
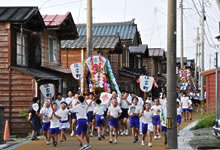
x=146 y=118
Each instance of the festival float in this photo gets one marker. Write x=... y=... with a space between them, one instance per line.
x=184 y=80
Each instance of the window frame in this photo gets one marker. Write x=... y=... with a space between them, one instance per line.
x=54 y=54
x=22 y=43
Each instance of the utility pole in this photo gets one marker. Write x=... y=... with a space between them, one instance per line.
x=196 y=58
x=89 y=28
x=171 y=76
x=216 y=89
x=202 y=51
x=181 y=35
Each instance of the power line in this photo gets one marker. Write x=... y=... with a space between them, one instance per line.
x=125 y=9
x=79 y=11
x=62 y=4
x=195 y=7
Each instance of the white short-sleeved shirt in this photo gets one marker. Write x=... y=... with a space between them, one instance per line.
x=58 y=102
x=163 y=115
x=63 y=114
x=190 y=103
x=156 y=109
x=140 y=101
x=179 y=111
x=54 y=122
x=163 y=102
x=74 y=101
x=45 y=112
x=147 y=117
x=99 y=110
x=124 y=104
x=135 y=109
x=81 y=111
x=185 y=102
x=114 y=111
x=68 y=100
x=92 y=106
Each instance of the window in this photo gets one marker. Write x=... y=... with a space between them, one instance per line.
x=53 y=49
x=22 y=49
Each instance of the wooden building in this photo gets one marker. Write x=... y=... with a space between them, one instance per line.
x=120 y=61
x=21 y=73
x=210 y=86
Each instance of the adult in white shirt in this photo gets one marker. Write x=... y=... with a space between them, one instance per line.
x=59 y=100
x=125 y=103
x=185 y=106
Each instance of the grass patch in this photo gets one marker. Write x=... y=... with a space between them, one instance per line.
x=205 y=122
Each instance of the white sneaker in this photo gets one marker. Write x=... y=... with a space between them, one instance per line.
x=159 y=136
x=142 y=143
x=149 y=144
x=48 y=142
x=89 y=146
x=122 y=133
x=91 y=134
x=115 y=141
x=155 y=137
x=72 y=133
x=126 y=132
x=84 y=147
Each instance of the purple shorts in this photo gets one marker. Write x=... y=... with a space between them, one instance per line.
x=46 y=126
x=100 y=120
x=164 y=129
x=55 y=130
x=144 y=128
x=190 y=110
x=179 y=119
x=81 y=126
x=113 y=122
x=185 y=110
x=156 y=120
x=73 y=116
x=134 y=122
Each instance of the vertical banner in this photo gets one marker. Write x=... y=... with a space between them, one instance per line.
x=47 y=90
x=146 y=83
x=77 y=70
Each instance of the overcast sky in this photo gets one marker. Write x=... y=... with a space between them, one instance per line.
x=150 y=16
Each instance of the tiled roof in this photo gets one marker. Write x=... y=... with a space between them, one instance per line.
x=22 y=14
x=156 y=52
x=140 y=49
x=105 y=42
x=126 y=30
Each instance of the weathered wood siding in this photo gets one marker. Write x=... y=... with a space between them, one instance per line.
x=69 y=56
x=115 y=64
x=45 y=52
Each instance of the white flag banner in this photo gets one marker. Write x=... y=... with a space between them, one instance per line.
x=105 y=97
x=47 y=90
x=146 y=83
x=77 y=70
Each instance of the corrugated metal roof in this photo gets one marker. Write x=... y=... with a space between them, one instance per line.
x=156 y=52
x=38 y=73
x=126 y=30
x=54 y=20
x=22 y=14
x=105 y=42
x=140 y=49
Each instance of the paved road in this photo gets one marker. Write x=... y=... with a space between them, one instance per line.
x=124 y=143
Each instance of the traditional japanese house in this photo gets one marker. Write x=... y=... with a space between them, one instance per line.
x=21 y=52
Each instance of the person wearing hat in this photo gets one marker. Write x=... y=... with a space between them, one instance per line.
x=44 y=113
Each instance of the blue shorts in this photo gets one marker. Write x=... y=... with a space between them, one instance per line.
x=90 y=116
x=81 y=126
x=124 y=113
x=144 y=128
x=185 y=110
x=179 y=119
x=190 y=110
x=156 y=120
x=134 y=122
x=164 y=129
x=113 y=122
x=46 y=126
x=100 y=120
x=55 y=130
x=73 y=116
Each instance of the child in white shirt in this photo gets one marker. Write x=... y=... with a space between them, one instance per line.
x=163 y=117
x=185 y=106
x=114 y=112
x=45 y=112
x=179 y=116
x=54 y=124
x=147 y=126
